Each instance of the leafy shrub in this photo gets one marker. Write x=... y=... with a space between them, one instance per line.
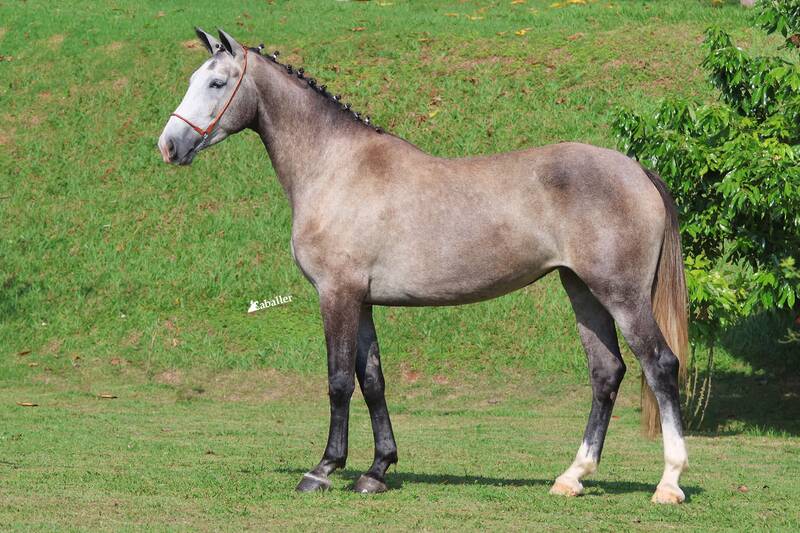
x=734 y=169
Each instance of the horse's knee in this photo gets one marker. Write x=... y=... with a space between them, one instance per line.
x=340 y=387
x=606 y=378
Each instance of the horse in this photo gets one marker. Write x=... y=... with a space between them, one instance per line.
x=378 y=221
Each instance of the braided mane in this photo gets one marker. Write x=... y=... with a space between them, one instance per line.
x=322 y=90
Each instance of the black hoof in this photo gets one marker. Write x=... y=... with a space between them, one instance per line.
x=313 y=482
x=369 y=485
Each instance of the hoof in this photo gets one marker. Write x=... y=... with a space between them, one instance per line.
x=313 y=483
x=670 y=494
x=369 y=485
x=565 y=486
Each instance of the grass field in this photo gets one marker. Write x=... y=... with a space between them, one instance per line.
x=119 y=274
x=224 y=451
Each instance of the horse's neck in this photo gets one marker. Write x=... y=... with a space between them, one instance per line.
x=305 y=137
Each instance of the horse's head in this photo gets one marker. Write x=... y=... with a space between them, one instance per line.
x=219 y=102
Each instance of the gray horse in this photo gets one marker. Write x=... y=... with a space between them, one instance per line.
x=377 y=221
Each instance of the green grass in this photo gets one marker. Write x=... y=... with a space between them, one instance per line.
x=224 y=451
x=120 y=273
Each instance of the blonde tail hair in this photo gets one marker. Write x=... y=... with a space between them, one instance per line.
x=670 y=305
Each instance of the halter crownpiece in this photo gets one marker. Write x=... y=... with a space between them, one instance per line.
x=204 y=133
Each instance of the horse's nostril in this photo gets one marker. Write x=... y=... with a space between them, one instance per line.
x=167 y=149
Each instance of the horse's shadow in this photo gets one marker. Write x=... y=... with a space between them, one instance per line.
x=396 y=480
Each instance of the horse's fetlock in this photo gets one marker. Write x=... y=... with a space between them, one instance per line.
x=334 y=462
x=390 y=458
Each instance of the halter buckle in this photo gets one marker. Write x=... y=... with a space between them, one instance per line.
x=202 y=142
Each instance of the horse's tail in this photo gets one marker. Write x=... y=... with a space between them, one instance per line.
x=669 y=303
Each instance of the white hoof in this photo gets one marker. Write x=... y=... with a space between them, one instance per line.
x=566 y=486
x=669 y=494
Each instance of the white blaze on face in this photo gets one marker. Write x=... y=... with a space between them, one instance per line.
x=208 y=91
x=205 y=96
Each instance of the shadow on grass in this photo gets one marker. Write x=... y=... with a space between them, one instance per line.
x=753 y=405
x=396 y=480
x=765 y=401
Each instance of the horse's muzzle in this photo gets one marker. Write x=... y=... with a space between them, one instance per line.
x=175 y=151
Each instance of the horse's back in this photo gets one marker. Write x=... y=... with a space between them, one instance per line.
x=428 y=230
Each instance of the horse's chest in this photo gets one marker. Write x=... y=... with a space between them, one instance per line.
x=326 y=256
x=309 y=264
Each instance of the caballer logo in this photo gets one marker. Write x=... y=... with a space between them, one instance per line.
x=263 y=304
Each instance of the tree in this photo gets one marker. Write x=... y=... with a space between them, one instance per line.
x=733 y=167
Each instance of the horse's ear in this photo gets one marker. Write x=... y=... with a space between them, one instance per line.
x=211 y=44
x=228 y=42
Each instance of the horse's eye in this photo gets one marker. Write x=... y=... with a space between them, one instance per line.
x=217 y=84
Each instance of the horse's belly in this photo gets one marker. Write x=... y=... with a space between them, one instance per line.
x=453 y=281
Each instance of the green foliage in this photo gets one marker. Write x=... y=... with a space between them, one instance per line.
x=781 y=16
x=733 y=169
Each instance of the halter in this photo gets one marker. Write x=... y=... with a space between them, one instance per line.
x=204 y=133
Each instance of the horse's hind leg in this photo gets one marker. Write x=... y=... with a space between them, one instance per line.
x=606 y=369
x=660 y=366
x=370 y=378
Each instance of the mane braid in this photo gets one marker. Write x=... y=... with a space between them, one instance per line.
x=322 y=90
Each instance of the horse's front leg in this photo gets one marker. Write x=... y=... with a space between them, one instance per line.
x=340 y=314
x=370 y=377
